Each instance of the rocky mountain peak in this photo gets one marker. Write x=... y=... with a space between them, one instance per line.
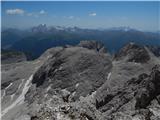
x=155 y=50
x=75 y=69
x=95 y=45
x=40 y=28
x=133 y=53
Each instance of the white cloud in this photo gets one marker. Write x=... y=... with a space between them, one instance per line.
x=92 y=14
x=42 y=12
x=15 y=11
x=22 y=12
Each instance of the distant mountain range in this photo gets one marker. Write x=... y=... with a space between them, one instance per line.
x=36 y=40
x=11 y=56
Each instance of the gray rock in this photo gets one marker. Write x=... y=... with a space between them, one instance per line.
x=75 y=69
x=94 y=45
x=133 y=53
x=84 y=83
x=135 y=96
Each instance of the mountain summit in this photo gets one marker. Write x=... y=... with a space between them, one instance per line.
x=133 y=53
x=83 y=82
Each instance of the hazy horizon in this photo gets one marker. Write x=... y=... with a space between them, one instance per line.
x=142 y=15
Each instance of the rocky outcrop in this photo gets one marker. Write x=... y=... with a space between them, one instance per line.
x=77 y=70
x=133 y=53
x=94 y=45
x=134 y=99
x=155 y=50
x=139 y=99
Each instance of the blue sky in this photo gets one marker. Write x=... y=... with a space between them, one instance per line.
x=140 y=15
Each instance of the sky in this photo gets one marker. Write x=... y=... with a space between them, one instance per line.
x=139 y=15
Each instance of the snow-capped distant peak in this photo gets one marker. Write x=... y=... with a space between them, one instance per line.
x=59 y=28
x=123 y=28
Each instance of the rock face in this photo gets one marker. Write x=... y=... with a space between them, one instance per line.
x=15 y=81
x=77 y=70
x=133 y=53
x=134 y=99
x=83 y=83
x=155 y=50
x=97 y=46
